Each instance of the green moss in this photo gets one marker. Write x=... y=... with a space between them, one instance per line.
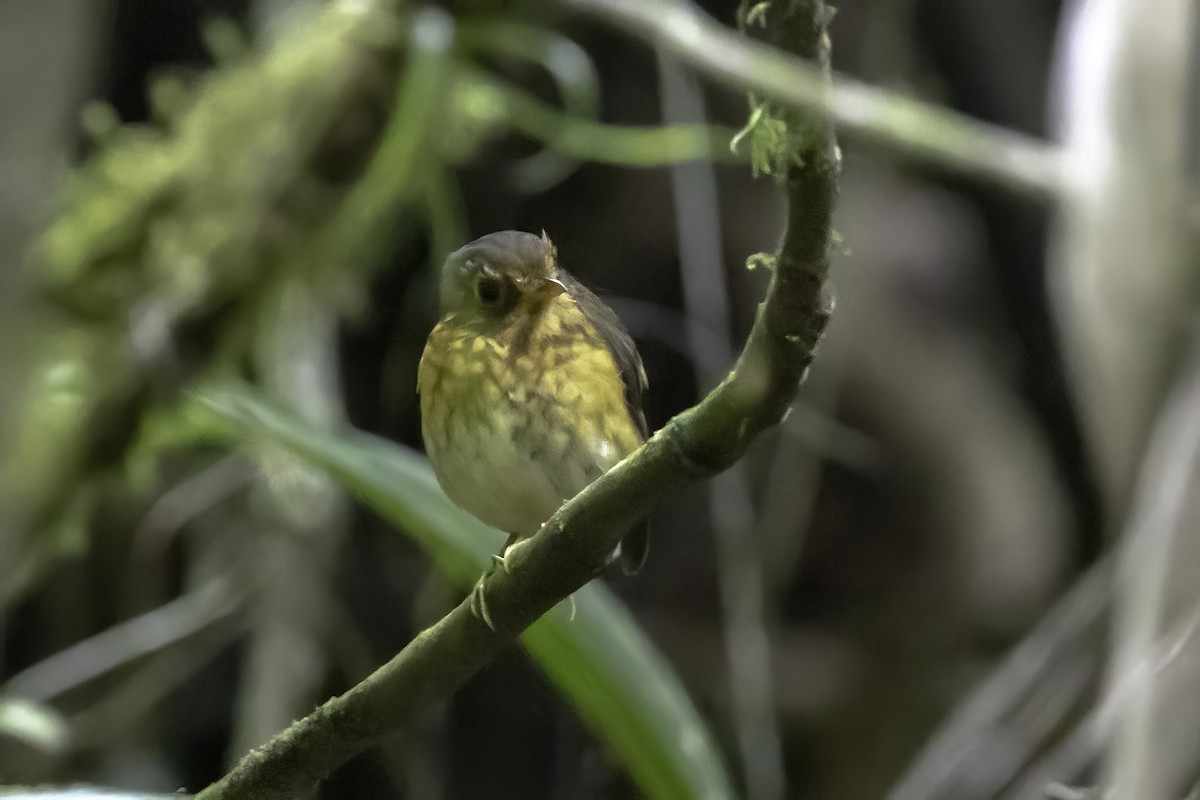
x=774 y=137
x=184 y=214
x=756 y=260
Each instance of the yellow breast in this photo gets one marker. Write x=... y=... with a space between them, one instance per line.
x=517 y=420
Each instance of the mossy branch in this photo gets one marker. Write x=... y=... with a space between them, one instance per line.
x=570 y=549
x=166 y=245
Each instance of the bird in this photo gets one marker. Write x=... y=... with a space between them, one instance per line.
x=530 y=389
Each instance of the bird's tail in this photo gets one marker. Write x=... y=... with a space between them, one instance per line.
x=632 y=550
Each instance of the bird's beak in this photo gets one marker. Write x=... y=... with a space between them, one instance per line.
x=550 y=288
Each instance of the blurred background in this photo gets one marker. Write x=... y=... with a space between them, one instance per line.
x=175 y=211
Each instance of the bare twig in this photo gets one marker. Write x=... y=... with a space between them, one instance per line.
x=1158 y=660
x=627 y=145
x=1066 y=760
x=125 y=642
x=907 y=126
x=149 y=684
x=979 y=719
x=183 y=502
x=1153 y=751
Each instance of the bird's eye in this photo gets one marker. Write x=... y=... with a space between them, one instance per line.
x=488 y=290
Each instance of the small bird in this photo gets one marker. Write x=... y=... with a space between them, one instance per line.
x=530 y=389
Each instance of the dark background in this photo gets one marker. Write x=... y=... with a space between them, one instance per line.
x=950 y=502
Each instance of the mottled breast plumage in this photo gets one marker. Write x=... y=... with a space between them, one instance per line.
x=521 y=416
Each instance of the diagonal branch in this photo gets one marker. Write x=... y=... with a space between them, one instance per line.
x=907 y=126
x=570 y=549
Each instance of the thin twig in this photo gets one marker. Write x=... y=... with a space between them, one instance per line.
x=127 y=641
x=1066 y=760
x=626 y=145
x=148 y=684
x=1140 y=684
x=187 y=500
x=907 y=126
x=975 y=722
x=1150 y=761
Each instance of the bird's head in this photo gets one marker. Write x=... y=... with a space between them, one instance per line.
x=499 y=274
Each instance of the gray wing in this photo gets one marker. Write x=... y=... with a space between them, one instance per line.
x=619 y=343
x=634 y=547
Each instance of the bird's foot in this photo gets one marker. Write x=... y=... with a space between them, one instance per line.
x=502 y=560
x=479 y=603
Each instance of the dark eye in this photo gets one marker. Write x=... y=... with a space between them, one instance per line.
x=488 y=290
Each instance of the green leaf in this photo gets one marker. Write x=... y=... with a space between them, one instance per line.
x=600 y=660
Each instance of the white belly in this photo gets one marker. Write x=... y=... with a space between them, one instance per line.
x=485 y=470
x=511 y=438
